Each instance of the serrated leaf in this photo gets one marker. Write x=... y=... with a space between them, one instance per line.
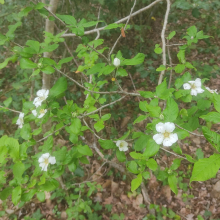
x=107 y=144
x=140 y=118
x=205 y=169
x=59 y=87
x=138 y=59
x=152 y=164
x=16 y=195
x=27 y=64
x=172 y=180
x=85 y=150
x=212 y=117
x=171 y=111
x=135 y=183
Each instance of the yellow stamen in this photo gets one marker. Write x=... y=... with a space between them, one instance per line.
x=46 y=161
x=166 y=134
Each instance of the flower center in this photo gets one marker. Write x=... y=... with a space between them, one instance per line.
x=166 y=134
x=193 y=86
x=42 y=98
x=121 y=145
x=46 y=161
x=42 y=111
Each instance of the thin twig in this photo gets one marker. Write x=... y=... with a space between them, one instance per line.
x=170 y=45
x=163 y=41
x=173 y=153
x=104 y=106
x=117 y=22
x=134 y=86
x=99 y=53
x=112 y=92
x=12 y=110
x=124 y=30
x=199 y=135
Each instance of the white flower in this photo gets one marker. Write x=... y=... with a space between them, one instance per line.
x=20 y=120
x=166 y=136
x=44 y=161
x=122 y=145
x=42 y=113
x=41 y=96
x=211 y=90
x=195 y=86
x=116 y=62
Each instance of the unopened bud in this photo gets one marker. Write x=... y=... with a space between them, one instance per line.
x=161 y=116
x=39 y=65
x=74 y=114
x=116 y=62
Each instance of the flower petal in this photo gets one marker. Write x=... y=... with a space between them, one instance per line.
x=167 y=142
x=160 y=127
x=173 y=138
x=34 y=112
x=198 y=82
x=41 y=92
x=46 y=155
x=169 y=126
x=193 y=92
x=118 y=143
x=124 y=148
x=200 y=90
x=52 y=160
x=158 y=138
x=186 y=86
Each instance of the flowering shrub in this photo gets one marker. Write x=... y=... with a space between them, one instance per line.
x=167 y=124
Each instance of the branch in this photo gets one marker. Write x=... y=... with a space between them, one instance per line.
x=112 y=92
x=171 y=71
x=163 y=41
x=10 y=109
x=199 y=135
x=117 y=22
x=173 y=153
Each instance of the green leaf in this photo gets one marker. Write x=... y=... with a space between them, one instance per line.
x=120 y=155
x=106 y=117
x=162 y=92
x=132 y=167
x=191 y=31
x=85 y=150
x=138 y=59
x=16 y=195
x=107 y=144
x=72 y=167
x=18 y=170
x=171 y=35
x=99 y=125
x=95 y=69
x=8 y=101
x=171 y=111
x=48 y=70
x=28 y=196
x=59 y=87
x=27 y=64
x=26 y=132
x=39 y=5
x=212 y=117
x=41 y=196
x=50 y=185
x=141 y=142
x=135 y=183
x=217 y=102
x=13 y=146
x=2 y=2
x=68 y=19
x=136 y=155
x=158 y=49
x=176 y=163
x=205 y=169
x=112 y=26
x=106 y=70
x=161 y=68
x=203 y=104
x=5 y=193
x=49 y=48
x=65 y=60
x=153 y=110
x=143 y=106
x=199 y=153
x=189 y=158
x=152 y=164
x=146 y=94
x=212 y=137
x=179 y=68
x=35 y=45
x=151 y=149
x=146 y=175
x=121 y=72
x=172 y=180
x=75 y=126
x=140 y=118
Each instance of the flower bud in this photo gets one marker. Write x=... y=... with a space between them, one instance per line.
x=161 y=116
x=116 y=62
x=39 y=65
x=169 y=171
x=74 y=114
x=192 y=37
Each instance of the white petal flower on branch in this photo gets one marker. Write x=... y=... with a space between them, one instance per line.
x=165 y=135
x=42 y=113
x=44 y=161
x=20 y=120
x=195 y=87
x=116 y=62
x=122 y=145
x=41 y=96
x=211 y=90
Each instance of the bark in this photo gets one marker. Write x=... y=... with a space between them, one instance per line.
x=49 y=27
